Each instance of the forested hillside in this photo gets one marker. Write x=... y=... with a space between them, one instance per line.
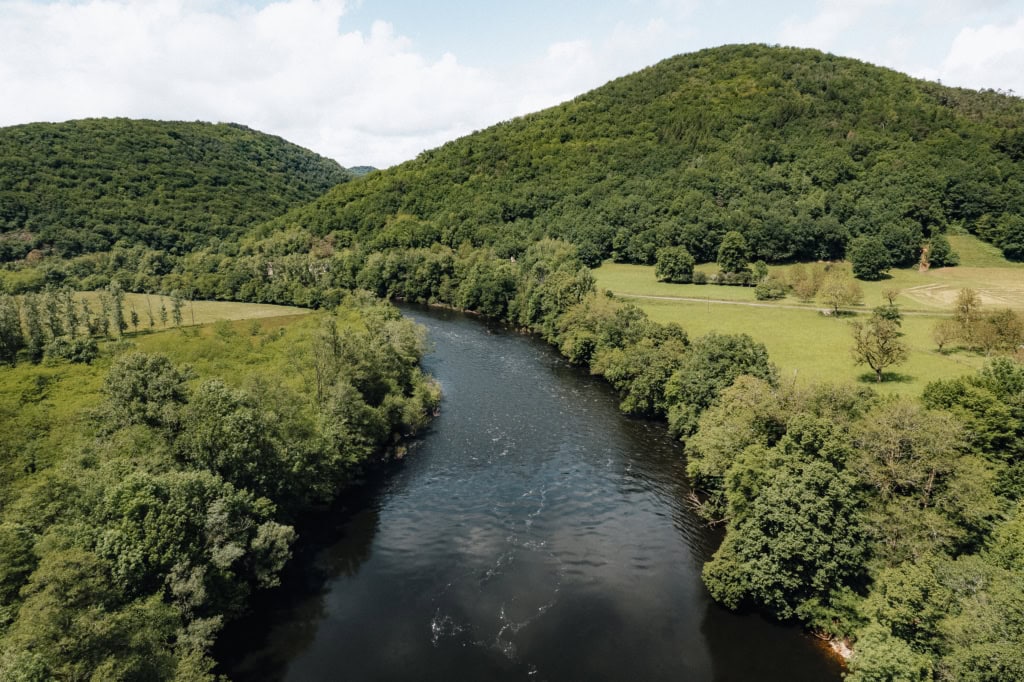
x=83 y=186
x=798 y=150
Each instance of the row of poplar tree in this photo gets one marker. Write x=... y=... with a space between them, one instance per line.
x=58 y=323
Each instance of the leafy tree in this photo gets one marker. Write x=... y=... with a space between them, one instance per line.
x=902 y=240
x=675 y=264
x=73 y=350
x=927 y=497
x=910 y=601
x=1002 y=330
x=50 y=309
x=11 y=339
x=733 y=254
x=881 y=657
x=940 y=253
x=869 y=258
x=106 y=310
x=1011 y=236
x=798 y=542
x=177 y=302
x=145 y=389
x=35 y=337
x=967 y=313
x=640 y=372
x=710 y=366
x=877 y=344
x=770 y=288
x=70 y=311
x=945 y=332
x=839 y=291
x=985 y=625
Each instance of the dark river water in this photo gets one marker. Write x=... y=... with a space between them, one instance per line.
x=534 y=533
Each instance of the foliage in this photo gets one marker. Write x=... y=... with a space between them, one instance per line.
x=881 y=657
x=770 y=289
x=82 y=186
x=792 y=541
x=797 y=150
x=157 y=505
x=732 y=253
x=869 y=258
x=675 y=264
x=877 y=344
x=840 y=291
x=712 y=364
x=940 y=253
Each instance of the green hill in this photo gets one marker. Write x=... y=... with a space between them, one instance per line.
x=82 y=186
x=797 y=149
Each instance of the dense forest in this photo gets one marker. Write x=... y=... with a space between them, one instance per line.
x=797 y=150
x=83 y=186
x=895 y=524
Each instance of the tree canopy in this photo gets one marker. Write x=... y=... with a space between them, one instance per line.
x=83 y=186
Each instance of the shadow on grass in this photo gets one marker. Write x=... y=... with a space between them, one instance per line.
x=887 y=378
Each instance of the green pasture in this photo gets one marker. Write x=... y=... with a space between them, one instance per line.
x=810 y=347
x=193 y=312
x=813 y=347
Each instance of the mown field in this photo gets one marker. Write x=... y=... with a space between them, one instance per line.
x=194 y=312
x=808 y=346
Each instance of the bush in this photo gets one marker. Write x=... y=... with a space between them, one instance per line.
x=770 y=289
x=73 y=350
x=700 y=277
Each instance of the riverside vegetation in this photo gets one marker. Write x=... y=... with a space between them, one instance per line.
x=147 y=494
x=894 y=522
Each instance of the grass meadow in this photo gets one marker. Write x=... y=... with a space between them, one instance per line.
x=193 y=312
x=808 y=346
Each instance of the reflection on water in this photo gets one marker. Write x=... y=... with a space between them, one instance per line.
x=533 y=534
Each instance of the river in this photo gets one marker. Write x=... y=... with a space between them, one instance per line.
x=533 y=533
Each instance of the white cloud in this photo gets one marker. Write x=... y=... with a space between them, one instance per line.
x=828 y=27
x=288 y=69
x=291 y=68
x=991 y=56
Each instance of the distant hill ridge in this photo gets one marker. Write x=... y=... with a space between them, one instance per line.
x=797 y=149
x=81 y=186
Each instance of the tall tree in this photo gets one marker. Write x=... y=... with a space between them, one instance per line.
x=117 y=306
x=675 y=264
x=176 y=304
x=733 y=253
x=35 y=337
x=877 y=343
x=70 y=311
x=869 y=258
x=11 y=338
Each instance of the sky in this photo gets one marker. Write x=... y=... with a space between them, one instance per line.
x=375 y=82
